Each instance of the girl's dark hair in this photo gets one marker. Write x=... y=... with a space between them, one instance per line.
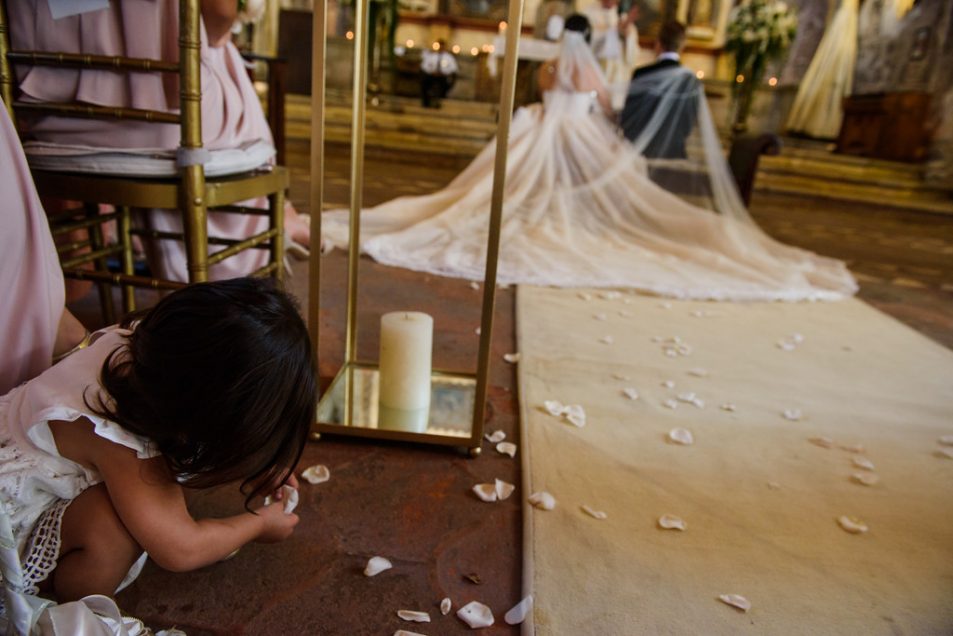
x=579 y=23
x=220 y=377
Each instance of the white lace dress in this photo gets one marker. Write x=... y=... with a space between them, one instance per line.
x=36 y=483
x=580 y=211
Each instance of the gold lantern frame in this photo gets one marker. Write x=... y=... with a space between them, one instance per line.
x=349 y=399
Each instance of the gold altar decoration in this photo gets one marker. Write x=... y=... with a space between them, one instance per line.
x=349 y=406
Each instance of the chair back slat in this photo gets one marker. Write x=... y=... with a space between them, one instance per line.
x=82 y=60
x=90 y=111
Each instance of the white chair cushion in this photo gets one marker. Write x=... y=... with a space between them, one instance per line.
x=142 y=162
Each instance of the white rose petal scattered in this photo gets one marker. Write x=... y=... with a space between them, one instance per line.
x=445 y=606
x=474 y=285
x=863 y=462
x=595 y=514
x=553 y=407
x=687 y=396
x=852 y=525
x=495 y=436
x=376 y=565
x=670 y=404
x=607 y=340
x=946 y=452
x=414 y=616
x=668 y=384
x=584 y=296
x=657 y=339
x=503 y=489
x=665 y=305
x=478 y=331
x=574 y=413
x=317 y=474
x=599 y=317
x=506 y=448
x=792 y=414
x=823 y=442
x=404 y=632
x=519 y=612
x=610 y=295
x=630 y=393
x=512 y=358
x=735 y=600
x=671 y=522
x=620 y=376
x=790 y=343
x=542 y=500
x=856 y=448
x=698 y=403
x=486 y=492
x=476 y=615
x=728 y=406
x=945 y=440
x=290 y=498
x=698 y=372
x=681 y=436
x=865 y=479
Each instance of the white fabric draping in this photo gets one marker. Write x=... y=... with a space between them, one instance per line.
x=818 y=106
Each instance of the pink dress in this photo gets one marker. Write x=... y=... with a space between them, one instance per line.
x=31 y=283
x=37 y=484
x=231 y=112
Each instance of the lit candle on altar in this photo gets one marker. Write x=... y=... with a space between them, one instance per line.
x=405 y=367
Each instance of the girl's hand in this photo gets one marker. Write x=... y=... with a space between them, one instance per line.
x=278 y=526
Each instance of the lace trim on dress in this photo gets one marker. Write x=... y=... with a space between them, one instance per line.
x=43 y=547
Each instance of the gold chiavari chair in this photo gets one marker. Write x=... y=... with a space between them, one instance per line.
x=191 y=191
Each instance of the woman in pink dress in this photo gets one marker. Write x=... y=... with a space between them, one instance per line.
x=34 y=323
x=231 y=112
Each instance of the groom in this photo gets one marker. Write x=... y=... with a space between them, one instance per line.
x=664 y=85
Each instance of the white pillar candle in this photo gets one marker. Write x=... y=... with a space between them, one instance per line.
x=405 y=368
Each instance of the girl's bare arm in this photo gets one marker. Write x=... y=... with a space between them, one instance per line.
x=152 y=505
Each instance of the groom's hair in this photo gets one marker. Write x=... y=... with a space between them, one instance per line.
x=671 y=36
x=579 y=23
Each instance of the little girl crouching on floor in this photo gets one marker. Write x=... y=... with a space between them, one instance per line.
x=214 y=385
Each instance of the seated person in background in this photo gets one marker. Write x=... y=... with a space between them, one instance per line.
x=231 y=112
x=438 y=73
x=661 y=108
x=35 y=325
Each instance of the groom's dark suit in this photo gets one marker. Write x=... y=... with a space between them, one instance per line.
x=640 y=107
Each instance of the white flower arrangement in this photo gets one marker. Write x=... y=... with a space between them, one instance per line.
x=760 y=29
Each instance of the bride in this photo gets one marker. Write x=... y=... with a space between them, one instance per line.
x=580 y=210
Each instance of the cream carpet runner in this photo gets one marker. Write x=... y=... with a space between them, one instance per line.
x=791 y=407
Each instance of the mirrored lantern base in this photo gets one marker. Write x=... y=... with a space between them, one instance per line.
x=351 y=406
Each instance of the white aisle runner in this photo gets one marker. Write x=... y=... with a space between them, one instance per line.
x=760 y=500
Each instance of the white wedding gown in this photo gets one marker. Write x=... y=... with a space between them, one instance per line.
x=580 y=211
